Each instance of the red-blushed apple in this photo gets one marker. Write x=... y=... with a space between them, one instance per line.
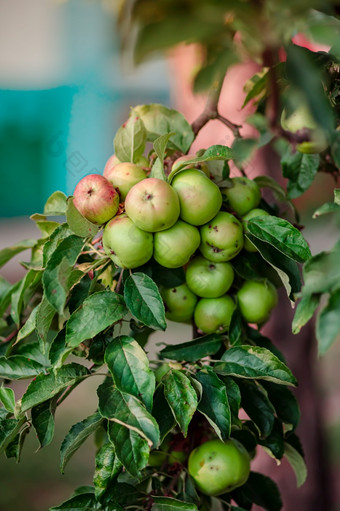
x=126 y=244
x=243 y=195
x=124 y=176
x=219 y=467
x=213 y=315
x=253 y=213
x=222 y=238
x=175 y=246
x=111 y=162
x=256 y=300
x=207 y=279
x=199 y=197
x=96 y=199
x=152 y=204
x=179 y=303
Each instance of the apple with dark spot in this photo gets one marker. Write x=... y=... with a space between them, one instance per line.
x=96 y=199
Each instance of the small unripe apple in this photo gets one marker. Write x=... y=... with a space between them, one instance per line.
x=126 y=244
x=96 y=199
x=256 y=300
x=182 y=159
x=124 y=176
x=152 y=204
x=213 y=315
x=179 y=303
x=222 y=238
x=199 y=197
x=252 y=214
x=219 y=467
x=242 y=196
x=175 y=246
x=207 y=279
x=301 y=118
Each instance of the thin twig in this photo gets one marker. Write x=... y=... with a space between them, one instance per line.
x=10 y=337
x=120 y=279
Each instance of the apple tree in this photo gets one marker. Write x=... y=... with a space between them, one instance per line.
x=168 y=234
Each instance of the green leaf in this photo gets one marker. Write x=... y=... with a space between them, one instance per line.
x=58 y=277
x=14 y=448
x=46 y=386
x=144 y=300
x=284 y=402
x=304 y=311
x=59 y=234
x=78 y=224
x=214 y=403
x=44 y=316
x=322 y=272
x=300 y=169
x=328 y=323
x=43 y=421
x=160 y=120
x=274 y=442
x=130 y=370
x=7 y=253
x=17 y=367
x=98 y=312
x=297 y=463
x=282 y=235
x=160 y=145
x=31 y=351
x=45 y=226
x=107 y=469
x=132 y=430
x=279 y=192
x=325 y=209
x=234 y=396
x=263 y=492
x=181 y=397
x=163 y=414
x=169 y=504
x=55 y=204
x=256 y=405
x=128 y=412
x=215 y=152
x=243 y=149
x=7 y=398
x=31 y=279
x=285 y=267
x=82 y=502
x=255 y=363
x=258 y=83
x=76 y=437
x=28 y=327
x=193 y=350
x=130 y=139
x=9 y=428
x=301 y=70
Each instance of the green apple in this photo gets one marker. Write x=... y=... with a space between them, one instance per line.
x=179 y=303
x=219 y=467
x=96 y=199
x=222 y=238
x=175 y=246
x=124 y=176
x=199 y=197
x=213 y=315
x=252 y=214
x=256 y=300
x=207 y=279
x=126 y=244
x=301 y=118
x=152 y=204
x=242 y=196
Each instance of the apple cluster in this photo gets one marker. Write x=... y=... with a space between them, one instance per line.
x=190 y=223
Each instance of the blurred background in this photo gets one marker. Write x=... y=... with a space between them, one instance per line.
x=64 y=91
